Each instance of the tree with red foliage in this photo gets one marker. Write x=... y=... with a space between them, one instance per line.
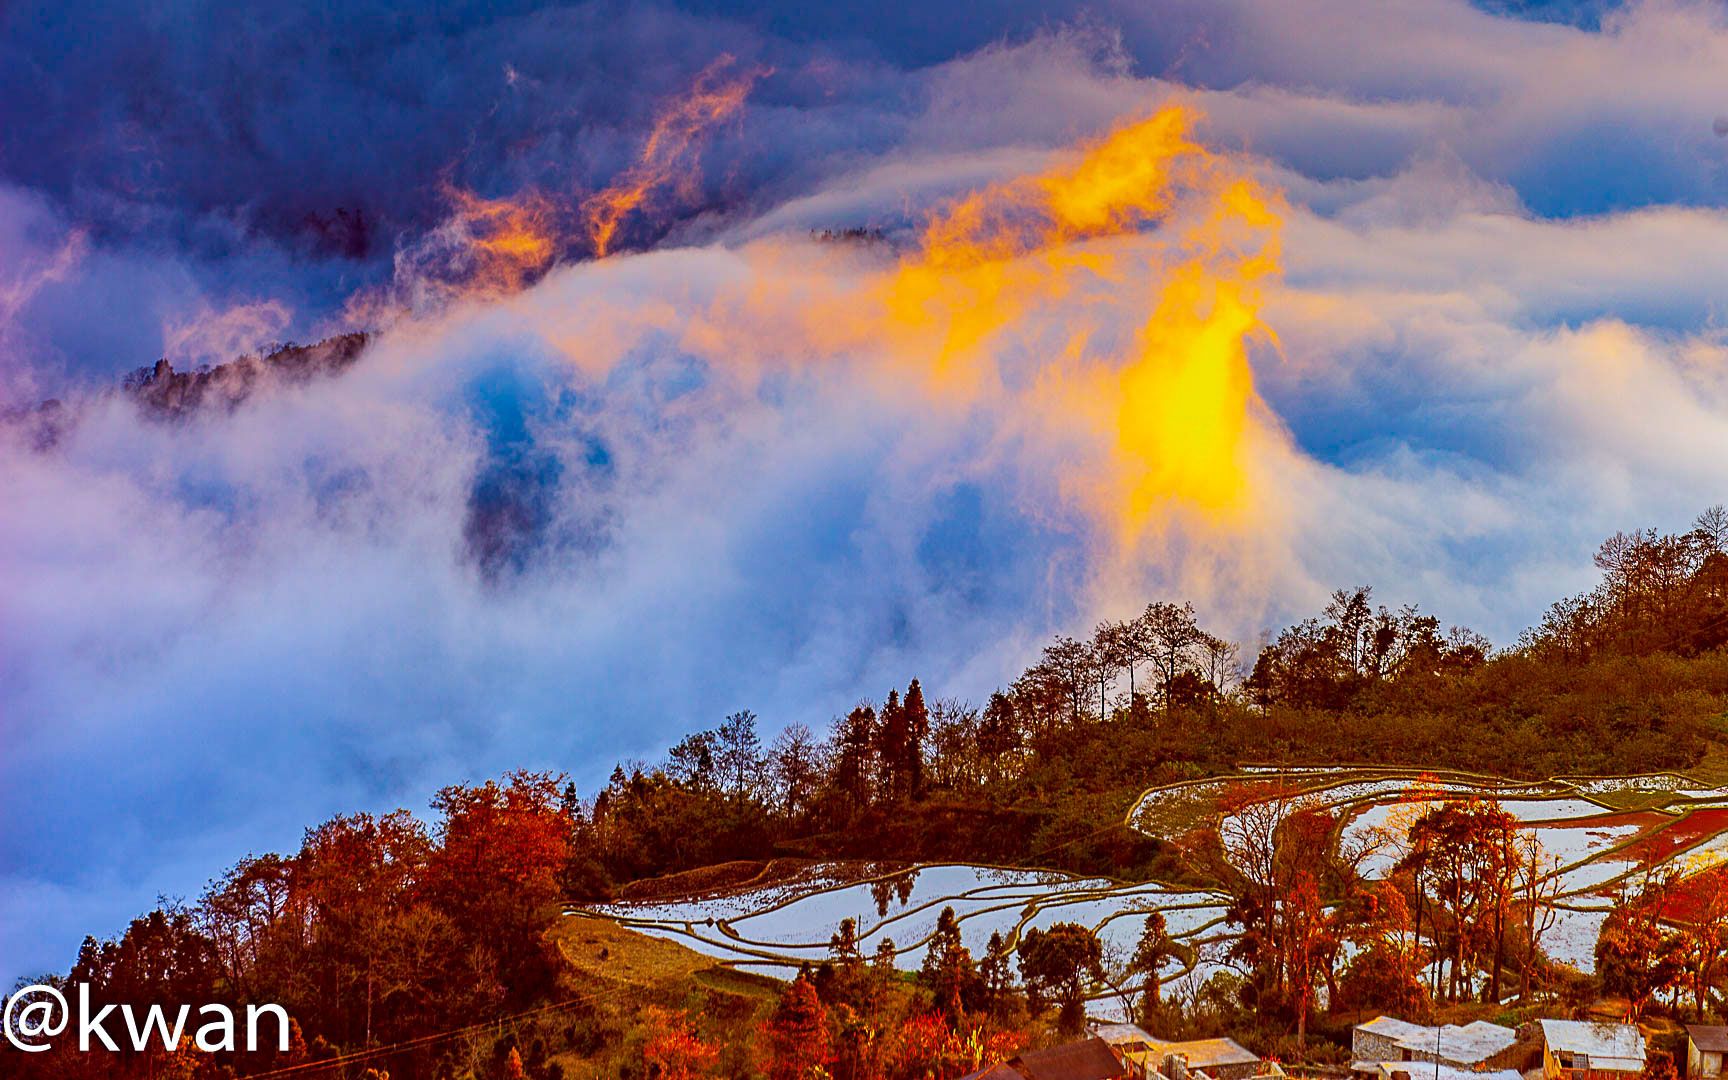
x=1706 y=934
x=1468 y=857
x=514 y=834
x=352 y=879
x=927 y=1050
x=1306 y=927
x=797 y=1036
x=929 y=1047
x=501 y=850
x=1635 y=954
x=673 y=1050
x=1384 y=973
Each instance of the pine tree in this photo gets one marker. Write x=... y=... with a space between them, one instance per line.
x=916 y=718
x=998 y=733
x=892 y=736
x=945 y=937
x=855 y=757
x=997 y=972
x=1153 y=949
x=738 y=754
x=882 y=969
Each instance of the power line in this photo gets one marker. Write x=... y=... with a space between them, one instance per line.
x=432 y=1039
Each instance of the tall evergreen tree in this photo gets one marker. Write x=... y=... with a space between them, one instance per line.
x=917 y=724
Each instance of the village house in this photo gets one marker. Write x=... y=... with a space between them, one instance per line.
x=1148 y=1056
x=1220 y=1059
x=1586 y=1050
x=1124 y=1038
x=1088 y=1059
x=1127 y=1052
x=1706 y=1045
x=1474 y=1047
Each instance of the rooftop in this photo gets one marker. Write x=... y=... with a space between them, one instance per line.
x=1427 y=1070
x=1088 y=1059
x=1606 y=1045
x=1710 y=1038
x=1390 y=1027
x=1205 y=1054
x=1122 y=1034
x=1473 y=1042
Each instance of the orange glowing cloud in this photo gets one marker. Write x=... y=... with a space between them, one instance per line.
x=1145 y=227
x=1096 y=315
x=490 y=248
x=509 y=240
x=665 y=159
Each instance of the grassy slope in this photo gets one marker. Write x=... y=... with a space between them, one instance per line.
x=628 y=972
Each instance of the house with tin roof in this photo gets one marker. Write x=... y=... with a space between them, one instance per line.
x=1706 y=1046
x=1124 y=1038
x=1088 y=1059
x=1472 y=1047
x=1588 y=1050
x=1149 y=1056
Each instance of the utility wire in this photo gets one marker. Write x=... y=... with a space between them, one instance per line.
x=432 y=1039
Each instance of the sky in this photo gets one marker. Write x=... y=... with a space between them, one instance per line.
x=1237 y=301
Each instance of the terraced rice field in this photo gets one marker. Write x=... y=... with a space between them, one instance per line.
x=1595 y=832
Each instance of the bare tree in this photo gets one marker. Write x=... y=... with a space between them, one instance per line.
x=1171 y=634
x=1221 y=662
x=1711 y=527
x=1538 y=886
x=796 y=765
x=954 y=742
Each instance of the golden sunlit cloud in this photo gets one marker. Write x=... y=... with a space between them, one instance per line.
x=1146 y=225
x=1101 y=308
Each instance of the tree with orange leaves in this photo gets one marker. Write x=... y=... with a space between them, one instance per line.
x=797 y=1038
x=1305 y=927
x=502 y=849
x=1385 y=972
x=1295 y=883
x=928 y=1049
x=673 y=1050
x=1636 y=954
x=1465 y=858
x=1706 y=930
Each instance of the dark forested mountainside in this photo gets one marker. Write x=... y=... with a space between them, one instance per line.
x=164 y=393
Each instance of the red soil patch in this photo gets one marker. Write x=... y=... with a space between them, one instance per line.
x=1663 y=844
